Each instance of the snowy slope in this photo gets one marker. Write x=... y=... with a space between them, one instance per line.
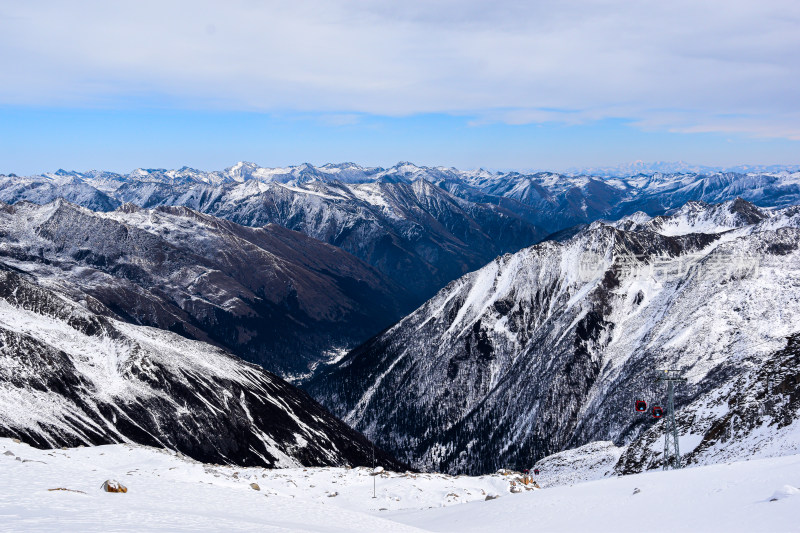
x=167 y=491
x=170 y=493
x=70 y=376
x=749 y=496
x=750 y=414
x=547 y=349
x=596 y=460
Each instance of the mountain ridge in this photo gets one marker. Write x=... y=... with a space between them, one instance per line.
x=577 y=198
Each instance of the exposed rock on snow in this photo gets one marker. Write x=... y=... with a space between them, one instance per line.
x=786 y=491
x=66 y=490
x=111 y=485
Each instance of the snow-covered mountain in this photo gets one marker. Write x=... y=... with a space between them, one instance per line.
x=674 y=167
x=416 y=233
x=270 y=295
x=72 y=187
x=422 y=236
x=71 y=376
x=411 y=230
x=560 y=201
x=700 y=217
x=548 y=349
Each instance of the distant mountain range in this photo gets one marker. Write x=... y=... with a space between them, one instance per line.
x=331 y=202
x=419 y=228
x=675 y=167
x=416 y=233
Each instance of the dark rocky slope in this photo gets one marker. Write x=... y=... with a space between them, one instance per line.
x=71 y=376
x=270 y=295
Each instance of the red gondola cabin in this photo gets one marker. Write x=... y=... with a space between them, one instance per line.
x=657 y=412
x=641 y=406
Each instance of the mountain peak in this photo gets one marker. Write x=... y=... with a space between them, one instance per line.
x=242 y=166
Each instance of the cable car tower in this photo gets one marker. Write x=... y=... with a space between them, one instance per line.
x=671 y=447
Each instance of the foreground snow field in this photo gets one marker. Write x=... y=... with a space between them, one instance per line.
x=168 y=492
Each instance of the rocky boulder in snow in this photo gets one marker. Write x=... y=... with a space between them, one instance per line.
x=111 y=485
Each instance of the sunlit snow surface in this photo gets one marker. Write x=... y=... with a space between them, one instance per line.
x=727 y=497
x=167 y=492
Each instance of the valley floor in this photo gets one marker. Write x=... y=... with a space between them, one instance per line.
x=168 y=492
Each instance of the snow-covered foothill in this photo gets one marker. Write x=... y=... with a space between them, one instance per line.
x=749 y=496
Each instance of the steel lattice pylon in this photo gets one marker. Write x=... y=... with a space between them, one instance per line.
x=671 y=441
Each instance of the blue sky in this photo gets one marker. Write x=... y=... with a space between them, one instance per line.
x=500 y=85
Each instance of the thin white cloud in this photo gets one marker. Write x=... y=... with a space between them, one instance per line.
x=513 y=61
